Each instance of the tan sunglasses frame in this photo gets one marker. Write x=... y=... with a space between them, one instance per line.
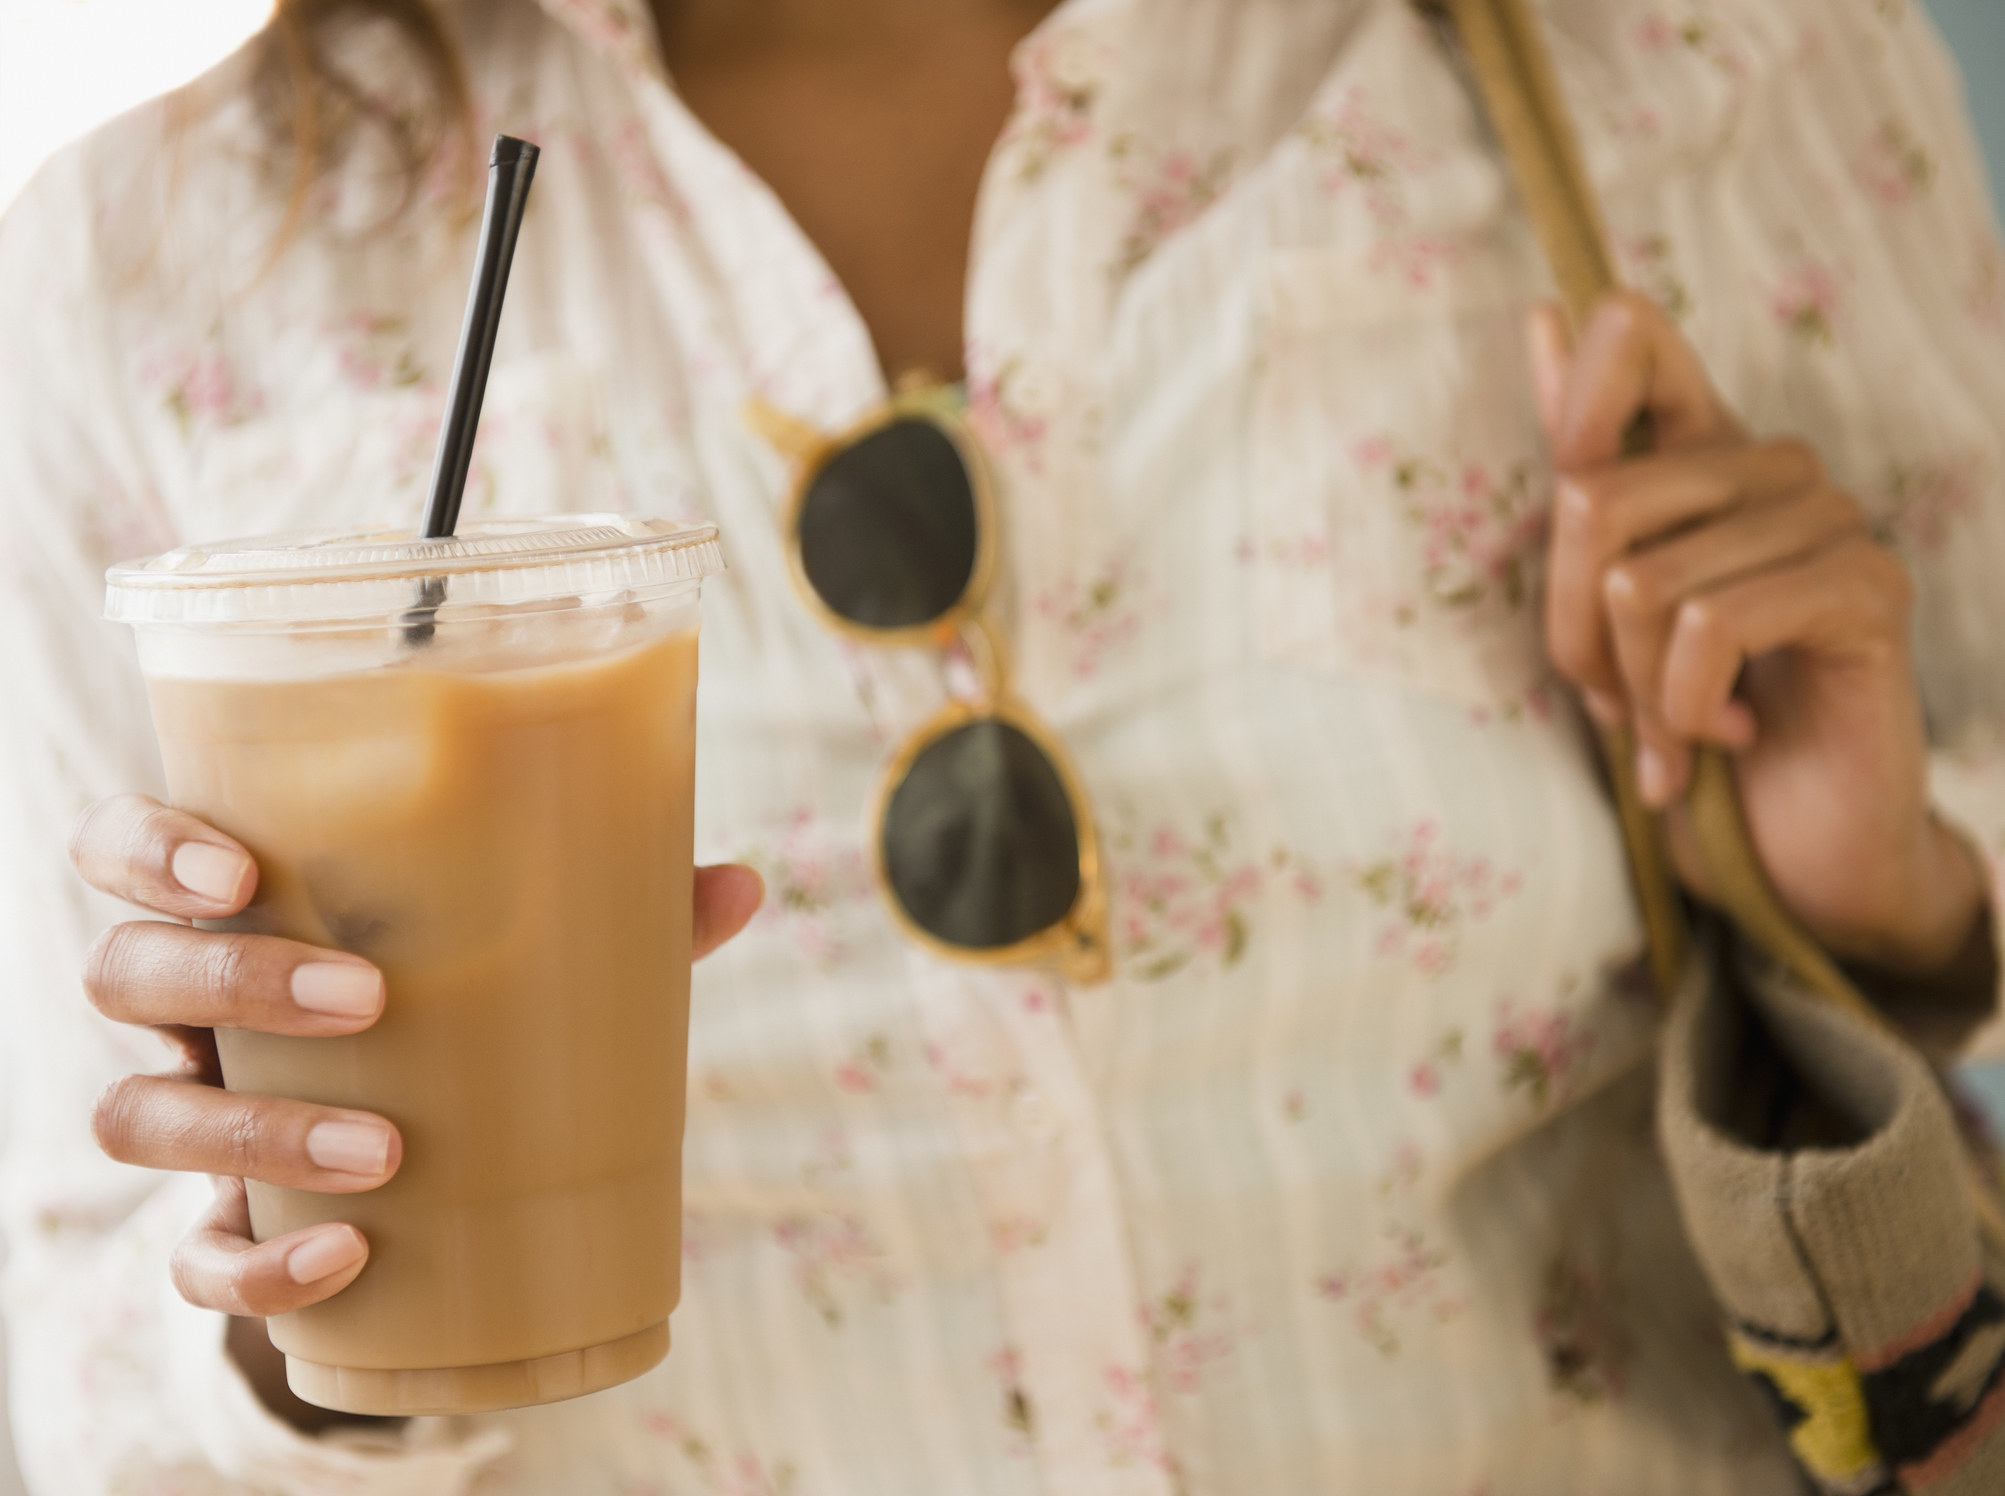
x=1077 y=944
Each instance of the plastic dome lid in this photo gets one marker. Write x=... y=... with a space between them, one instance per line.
x=325 y=577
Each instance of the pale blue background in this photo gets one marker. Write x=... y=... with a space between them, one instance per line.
x=1975 y=30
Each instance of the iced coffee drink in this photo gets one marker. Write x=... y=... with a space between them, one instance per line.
x=490 y=798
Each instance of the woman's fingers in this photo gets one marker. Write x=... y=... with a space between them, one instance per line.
x=152 y=972
x=1851 y=599
x=1629 y=358
x=727 y=896
x=1648 y=592
x=140 y=851
x=169 y=1122
x=218 y=1266
x=1602 y=516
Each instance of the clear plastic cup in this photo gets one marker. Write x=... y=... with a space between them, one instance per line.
x=470 y=761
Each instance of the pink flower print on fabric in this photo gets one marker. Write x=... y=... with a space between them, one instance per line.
x=1131 y=1423
x=1625 y=118
x=1652 y=267
x=1016 y=1233
x=1182 y=1322
x=200 y=387
x=1401 y=1281
x=1058 y=77
x=1169 y=188
x=959 y=1078
x=375 y=351
x=1536 y=704
x=1893 y=167
x=1019 y=1419
x=1689 y=27
x=620 y=27
x=866 y=1066
x=1010 y=407
x=814 y=879
x=1655 y=34
x=700 y=1237
x=1375 y=160
x=1432 y=895
x=723 y=1473
x=1580 y=1336
x=1540 y=1053
x=1308 y=551
x=1405 y=1279
x=1481 y=529
x=1179 y=899
x=1367 y=156
x=1922 y=503
x=640 y=170
x=830 y=1159
x=1096 y=616
x=837 y=1258
x=1809 y=302
x=1426 y=1077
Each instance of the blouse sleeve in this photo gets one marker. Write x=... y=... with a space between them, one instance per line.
x=1869 y=317
x=1946 y=509
x=117 y=1385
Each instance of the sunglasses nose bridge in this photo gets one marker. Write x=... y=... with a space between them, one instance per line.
x=974 y=638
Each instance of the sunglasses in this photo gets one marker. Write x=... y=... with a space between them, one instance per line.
x=984 y=846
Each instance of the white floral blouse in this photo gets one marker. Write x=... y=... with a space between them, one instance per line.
x=1345 y=1182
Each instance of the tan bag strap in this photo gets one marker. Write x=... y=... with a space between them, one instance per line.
x=1507 y=57
x=1513 y=74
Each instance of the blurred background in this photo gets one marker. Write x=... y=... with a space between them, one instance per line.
x=66 y=65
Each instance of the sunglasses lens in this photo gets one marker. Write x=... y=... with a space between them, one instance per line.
x=887 y=527
x=980 y=844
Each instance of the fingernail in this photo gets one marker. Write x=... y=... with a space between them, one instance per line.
x=1572 y=501
x=343 y=988
x=210 y=871
x=1604 y=708
x=324 y=1254
x=1653 y=776
x=350 y=1147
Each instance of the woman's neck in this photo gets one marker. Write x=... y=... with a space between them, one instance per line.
x=872 y=120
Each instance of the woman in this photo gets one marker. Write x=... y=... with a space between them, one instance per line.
x=1344 y=1181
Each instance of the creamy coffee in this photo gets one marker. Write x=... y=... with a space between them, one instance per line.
x=499 y=817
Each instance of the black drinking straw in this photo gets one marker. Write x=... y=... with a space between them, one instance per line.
x=509 y=170
x=510 y=167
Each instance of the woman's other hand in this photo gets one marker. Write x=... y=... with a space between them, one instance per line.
x=1721 y=590
x=185 y=983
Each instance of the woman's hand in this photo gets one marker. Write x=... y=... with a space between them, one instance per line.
x=184 y=983
x=1721 y=590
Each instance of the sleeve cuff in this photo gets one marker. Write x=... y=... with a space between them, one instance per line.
x=1967 y=786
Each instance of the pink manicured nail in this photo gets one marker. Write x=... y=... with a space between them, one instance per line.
x=1604 y=708
x=213 y=872
x=350 y=1147
x=325 y=1253
x=1653 y=776
x=342 y=988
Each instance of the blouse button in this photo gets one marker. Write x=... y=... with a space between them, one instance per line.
x=1034 y=1116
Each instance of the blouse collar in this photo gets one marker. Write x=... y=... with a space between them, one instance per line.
x=622 y=29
